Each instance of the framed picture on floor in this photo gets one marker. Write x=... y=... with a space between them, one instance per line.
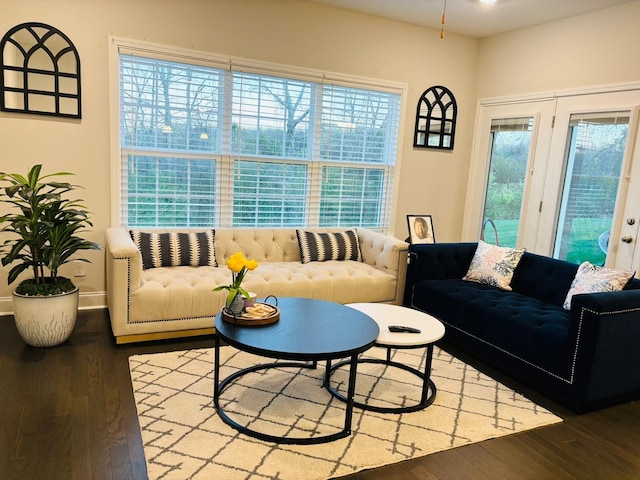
x=420 y=229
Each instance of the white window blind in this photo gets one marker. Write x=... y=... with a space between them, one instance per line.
x=358 y=125
x=206 y=146
x=518 y=124
x=271 y=116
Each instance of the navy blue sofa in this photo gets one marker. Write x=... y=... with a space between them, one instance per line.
x=586 y=358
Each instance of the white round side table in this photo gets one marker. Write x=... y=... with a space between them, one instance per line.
x=386 y=315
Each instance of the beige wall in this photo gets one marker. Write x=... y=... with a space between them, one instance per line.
x=588 y=50
x=293 y=32
x=584 y=51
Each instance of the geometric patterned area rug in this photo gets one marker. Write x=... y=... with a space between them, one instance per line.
x=184 y=438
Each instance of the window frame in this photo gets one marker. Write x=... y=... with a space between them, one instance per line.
x=120 y=46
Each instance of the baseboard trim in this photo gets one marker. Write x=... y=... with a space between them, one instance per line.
x=86 y=301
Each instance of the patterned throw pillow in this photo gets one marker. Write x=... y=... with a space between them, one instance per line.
x=593 y=279
x=494 y=265
x=320 y=247
x=175 y=249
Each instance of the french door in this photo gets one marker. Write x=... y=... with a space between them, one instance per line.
x=557 y=176
x=507 y=176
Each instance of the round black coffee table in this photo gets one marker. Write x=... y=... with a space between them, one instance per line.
x=308 y=331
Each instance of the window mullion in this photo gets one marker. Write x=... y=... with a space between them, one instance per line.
x=316 y=166
x=224 y=185
x=316 y=170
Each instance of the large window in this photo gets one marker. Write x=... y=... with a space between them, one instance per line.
x=205 y=145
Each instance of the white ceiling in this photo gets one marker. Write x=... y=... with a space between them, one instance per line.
x=472 y=18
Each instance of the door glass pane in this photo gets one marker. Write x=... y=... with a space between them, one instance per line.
x=510 y=146
x=595 y=152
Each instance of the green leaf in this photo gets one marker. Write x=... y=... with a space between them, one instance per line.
x=45 y=224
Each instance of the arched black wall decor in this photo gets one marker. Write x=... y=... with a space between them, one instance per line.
x=436 y=119
x=39 y=72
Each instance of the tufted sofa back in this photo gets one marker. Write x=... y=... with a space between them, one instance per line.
x=547 y=279
x=281 y=245
x=261 y=244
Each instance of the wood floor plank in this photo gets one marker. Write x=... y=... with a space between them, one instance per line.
x=576 y=453
x=130 y=420
x=526 y=461
x=81 y=466
x=101 y=467
x=68 y=412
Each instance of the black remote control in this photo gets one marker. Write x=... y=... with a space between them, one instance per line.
x=402 y=329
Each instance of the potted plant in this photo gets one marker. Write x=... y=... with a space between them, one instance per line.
x=239 y=266
x=42 y=227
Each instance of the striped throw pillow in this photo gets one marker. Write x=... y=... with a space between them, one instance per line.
x=175 y=249
x=320 y=247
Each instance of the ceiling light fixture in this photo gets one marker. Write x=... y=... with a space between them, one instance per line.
x=488 y=1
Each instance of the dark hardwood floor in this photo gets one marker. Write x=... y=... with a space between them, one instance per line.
x=67 y=412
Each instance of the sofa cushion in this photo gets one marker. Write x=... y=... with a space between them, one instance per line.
x=519 y=325
x=594 y=279
x=184 y=292
x=320 y=247
x=493 y=265
x=176 y=249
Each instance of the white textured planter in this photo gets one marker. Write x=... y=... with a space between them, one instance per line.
x=45 y=321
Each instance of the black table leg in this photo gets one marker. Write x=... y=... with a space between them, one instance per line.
x=216 y=370
x=351 y=392
x=428 y=389
x=219 y=387
x=427 y=378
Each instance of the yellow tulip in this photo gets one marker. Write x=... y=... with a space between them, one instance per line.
x=251 y=264
x=236 y=262
x=239 y=265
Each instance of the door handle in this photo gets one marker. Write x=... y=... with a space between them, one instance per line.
x=627 y=239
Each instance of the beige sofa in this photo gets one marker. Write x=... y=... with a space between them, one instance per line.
x=167 y=302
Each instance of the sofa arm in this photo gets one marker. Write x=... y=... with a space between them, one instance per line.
x=438 y=261
x=124 y=272
x=120 y=246
x=608 y=330
x=382 y=251
x=386 y=253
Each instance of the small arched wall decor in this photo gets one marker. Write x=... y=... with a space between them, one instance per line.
x=436 y=119
x=39 y=72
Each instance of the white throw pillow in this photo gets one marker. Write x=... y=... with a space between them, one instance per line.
x=494 y=265
x=593 y=279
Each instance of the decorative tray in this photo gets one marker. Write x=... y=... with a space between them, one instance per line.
x=258 y=314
